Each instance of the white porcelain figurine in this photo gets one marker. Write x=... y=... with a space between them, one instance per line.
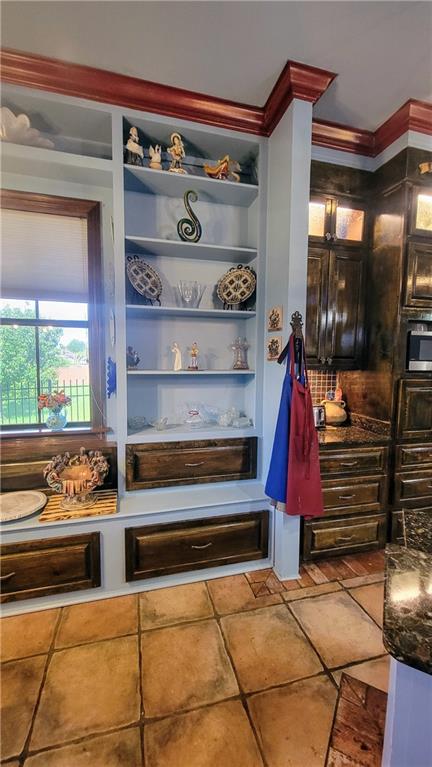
x=177 y=356
x=155 y=157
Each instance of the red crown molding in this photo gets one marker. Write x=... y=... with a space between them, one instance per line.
x=296 y=81
x=413 y=115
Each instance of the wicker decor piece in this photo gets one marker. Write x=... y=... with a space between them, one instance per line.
x=106 y=503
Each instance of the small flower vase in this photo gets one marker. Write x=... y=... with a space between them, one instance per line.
x=57 y=419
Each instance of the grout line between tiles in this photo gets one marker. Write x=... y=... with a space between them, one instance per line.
x=83 y=738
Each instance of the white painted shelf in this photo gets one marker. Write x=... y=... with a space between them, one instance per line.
x=175 y=185
x=194 y=373
x=199 y=250
x=48 y=163
x=175 y=433
x=180 y=311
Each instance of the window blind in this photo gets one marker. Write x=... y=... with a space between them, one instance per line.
x=43 y=256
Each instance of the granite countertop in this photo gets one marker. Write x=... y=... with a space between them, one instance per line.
x=349 y=436
x=407 y=629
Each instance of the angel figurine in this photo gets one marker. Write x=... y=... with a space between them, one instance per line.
x=155 y=157
x=133 y=150
x=177 y=152
x=177 y=356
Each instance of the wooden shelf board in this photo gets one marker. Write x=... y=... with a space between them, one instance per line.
x=180 y=432
x=199 y=250
x=175 y=185
x=195 y=373
x=49 y=163
x=180 y=311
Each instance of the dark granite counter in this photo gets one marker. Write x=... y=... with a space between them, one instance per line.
x=407 y=629
x=349 y=436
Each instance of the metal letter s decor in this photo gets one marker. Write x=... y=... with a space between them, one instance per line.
x=189 y=229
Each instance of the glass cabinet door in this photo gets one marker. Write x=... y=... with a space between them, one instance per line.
x=422 y=212
x=319 y=218
x=349 y=223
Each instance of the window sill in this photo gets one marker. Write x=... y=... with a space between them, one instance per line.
x=22 y=446
x=64 y=434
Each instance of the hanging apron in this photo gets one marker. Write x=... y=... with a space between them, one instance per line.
x=303 y=490
x=276 y=485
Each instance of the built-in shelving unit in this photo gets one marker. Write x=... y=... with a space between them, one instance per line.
x=186 y=312
x=48 y=163
x=201 y=250
x=193 y=373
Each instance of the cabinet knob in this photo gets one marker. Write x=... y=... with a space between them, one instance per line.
x=329 y=360
x=328 y=236
x=334 y=238
x=322 y=360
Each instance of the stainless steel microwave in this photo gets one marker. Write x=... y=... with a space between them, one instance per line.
x=419 y=352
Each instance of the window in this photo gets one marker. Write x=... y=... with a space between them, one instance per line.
x=50 y=338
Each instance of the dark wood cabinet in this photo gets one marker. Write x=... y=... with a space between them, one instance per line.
x=38 y=568
x=336 y=219
x=157 y=550
x=418 y=277
x=414 y=416
x=335 y=307
x=165 y=464
x=332 y=537
x=421 y=211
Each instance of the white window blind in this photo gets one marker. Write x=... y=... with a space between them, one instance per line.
x=43 y=256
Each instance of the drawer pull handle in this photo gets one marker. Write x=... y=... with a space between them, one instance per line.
x=6 y=577
x=344 y=539
x=204 y=546
x=430 y=485
x=346 y=497
x=352 y=463
x=200 y=463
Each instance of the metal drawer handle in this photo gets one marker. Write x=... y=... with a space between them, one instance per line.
x=343 y=539
x=200 y=463
x=352 y=463
x=346 y=497
x=6 y=577
x=204 y=546
x=430 y=485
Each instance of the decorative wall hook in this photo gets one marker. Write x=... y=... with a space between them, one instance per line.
x=297 y=324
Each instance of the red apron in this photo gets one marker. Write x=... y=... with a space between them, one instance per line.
x=304 y=494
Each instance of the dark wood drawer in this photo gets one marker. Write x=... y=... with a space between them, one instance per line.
x=163 y=549
x=412 y=456
x=354 y=461
x=363 y=495
x=412 y=487
x=186 y=463
x=51 y=566
x=343 y=536
x=415 y=409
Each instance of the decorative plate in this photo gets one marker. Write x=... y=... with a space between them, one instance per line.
x=144 y=278
x=237 y=285
x=20 y=504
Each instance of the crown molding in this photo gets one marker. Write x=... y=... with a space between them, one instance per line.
x=338 y=136
x=296 y=81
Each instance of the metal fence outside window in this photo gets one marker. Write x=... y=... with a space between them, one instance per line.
x=18 y=402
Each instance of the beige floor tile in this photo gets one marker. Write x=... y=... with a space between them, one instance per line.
x=88 y=689
x=338 y=628
x=362 y=580
x=21 y=681
x=29 y=634
x=232 y=594
x=311 y=591
x=217 y=736
x=185 y=667
x=93 y=621
x=374 y=672
x=120 y=749
x=371 y=598
x=163 y=607
x=258 y=575
x=268 y=648
x=293 y=723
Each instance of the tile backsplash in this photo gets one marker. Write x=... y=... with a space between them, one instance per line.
x=320 y=382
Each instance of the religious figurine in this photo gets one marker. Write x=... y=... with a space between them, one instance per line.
x=132 y=358
x=240 y=347
x=155 y=157
x=194 y=354
x=177 y=152
x=134 y=151
x=224 y=169
x=177 y=356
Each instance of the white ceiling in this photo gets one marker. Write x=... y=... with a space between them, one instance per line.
x=382 y=51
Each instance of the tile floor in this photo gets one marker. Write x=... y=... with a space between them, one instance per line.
x=233 y=672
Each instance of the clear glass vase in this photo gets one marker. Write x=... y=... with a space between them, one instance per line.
x=57 y=419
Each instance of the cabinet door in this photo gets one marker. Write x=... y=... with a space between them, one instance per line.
x=415 y=409
x=345 y=324
x=421 y=211
x=320 y=213
x=418 y=281
x=316 y=311
x=348 y=222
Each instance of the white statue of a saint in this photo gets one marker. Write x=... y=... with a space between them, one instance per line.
x=177 y=356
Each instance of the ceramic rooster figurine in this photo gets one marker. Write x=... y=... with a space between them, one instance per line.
x=225 y=169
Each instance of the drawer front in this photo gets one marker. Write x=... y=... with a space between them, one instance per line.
x=333 y=537
x=363 y=495
x=353 y=461
x=410 y=488
x=163 y=549
x=413 y=456
x=52 y=566
x=187 y=463
x=415 y=409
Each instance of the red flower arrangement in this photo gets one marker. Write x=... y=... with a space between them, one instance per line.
x=53 y=401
